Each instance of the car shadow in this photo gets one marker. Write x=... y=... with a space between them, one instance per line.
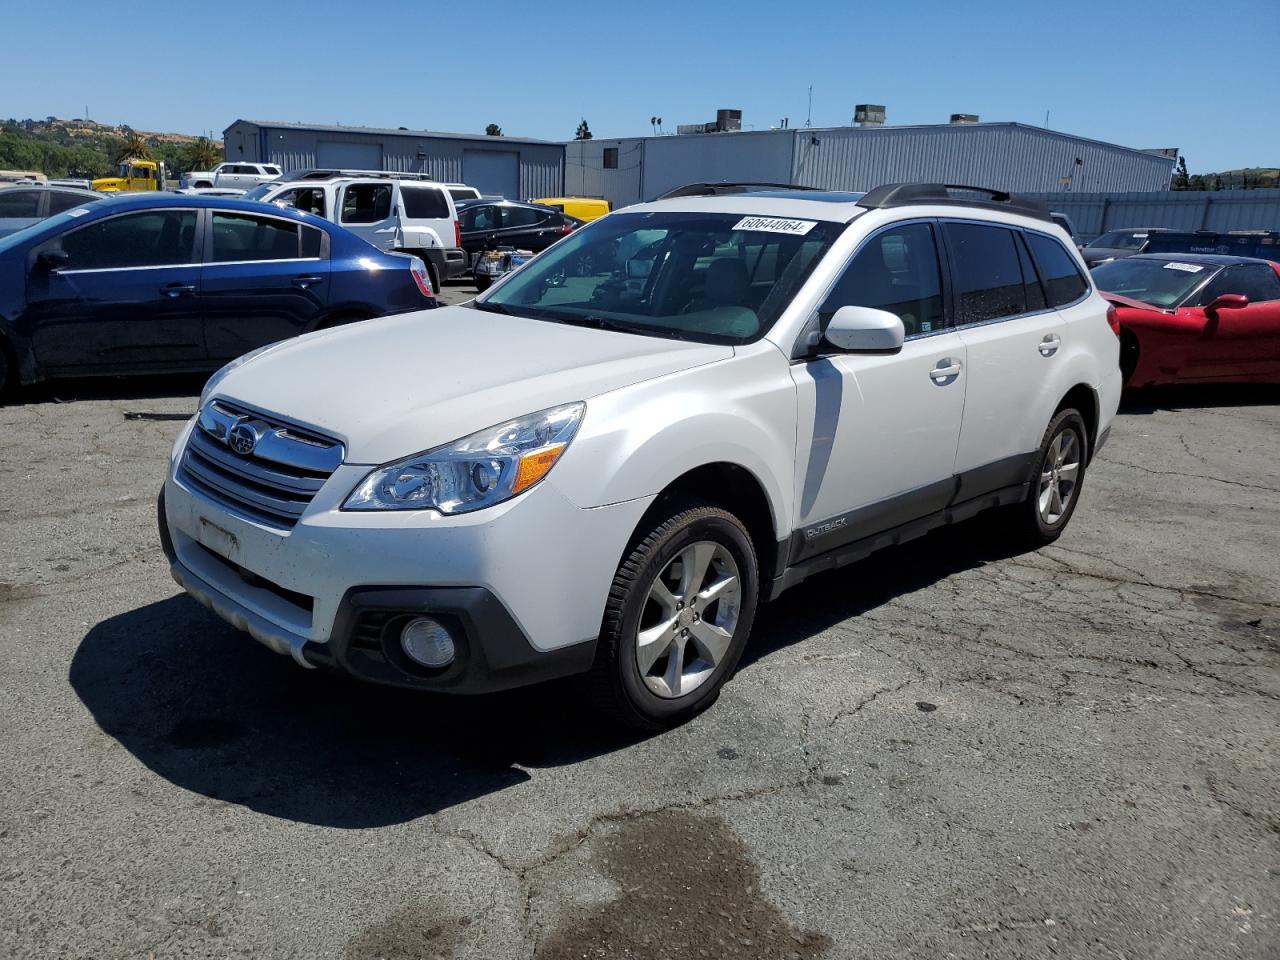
x=213 y=712
x=142 y=387
x=1191 y=397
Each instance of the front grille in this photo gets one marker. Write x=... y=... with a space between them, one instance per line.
x=274 y=481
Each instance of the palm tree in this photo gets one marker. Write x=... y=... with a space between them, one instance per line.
x=202 y=154
x=135 y=147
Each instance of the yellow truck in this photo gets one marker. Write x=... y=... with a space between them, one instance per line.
x=134 y=176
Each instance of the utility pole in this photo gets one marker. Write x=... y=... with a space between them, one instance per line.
x=808 y=120
x=1046 y=119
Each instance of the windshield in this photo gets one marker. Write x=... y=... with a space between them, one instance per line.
x=1120 y=240
x=260 y=191
x=1161 y=283
x=711 y=277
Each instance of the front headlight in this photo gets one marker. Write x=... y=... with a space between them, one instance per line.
x=476 y=471
x=221 y=373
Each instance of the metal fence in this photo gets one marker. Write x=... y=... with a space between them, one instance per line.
x=1217 y=210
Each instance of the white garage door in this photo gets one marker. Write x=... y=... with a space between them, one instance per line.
x=492 y=172
x=335 y=155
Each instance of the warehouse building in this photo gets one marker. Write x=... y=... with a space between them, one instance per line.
x=1005 y=156
x=512 y=167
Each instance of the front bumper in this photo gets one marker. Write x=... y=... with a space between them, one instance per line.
x=523 y=584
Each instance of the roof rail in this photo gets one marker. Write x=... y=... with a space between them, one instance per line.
x=324 y=174
x=727 y=187
x=905 y=194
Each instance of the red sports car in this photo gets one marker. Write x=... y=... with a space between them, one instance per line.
x=1195 y=318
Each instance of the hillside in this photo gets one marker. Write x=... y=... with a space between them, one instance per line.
x=85 y=148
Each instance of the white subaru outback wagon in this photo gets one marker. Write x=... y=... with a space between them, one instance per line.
x=605 y=463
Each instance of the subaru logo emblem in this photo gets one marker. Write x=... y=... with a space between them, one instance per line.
x=243 y=438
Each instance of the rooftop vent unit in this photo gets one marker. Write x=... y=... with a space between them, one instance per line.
x=964 y=118
x=869 y=115
x=726 y=121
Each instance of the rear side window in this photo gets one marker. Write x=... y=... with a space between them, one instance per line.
x=312 y=241
x=237 y=236
x=59 y=202
x=366 y=202
x=1063 y=282
x=464 y=193
x=897 y=270
x=151 y=239
x=424 y=203
x=989 y=283
x=19 y=203
x=522 y=216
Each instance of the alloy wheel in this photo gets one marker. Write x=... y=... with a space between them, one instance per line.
x=689 y=619
x=1059 y=476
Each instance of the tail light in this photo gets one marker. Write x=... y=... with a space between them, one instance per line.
x=422 y=278
x=1113 y=319
x=457 y=232
x=565 y=229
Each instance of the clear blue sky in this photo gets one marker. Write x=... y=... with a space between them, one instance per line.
x=1135 y=72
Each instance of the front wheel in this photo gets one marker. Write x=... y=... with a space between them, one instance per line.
x=1056 y=479
x=483 y=282
x=678 y=616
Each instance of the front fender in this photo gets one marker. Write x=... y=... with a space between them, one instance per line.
x=635 y=441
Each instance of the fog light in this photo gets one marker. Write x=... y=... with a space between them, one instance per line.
x=427 y=642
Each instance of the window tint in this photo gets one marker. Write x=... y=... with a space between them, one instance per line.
x=424 y=203
x=988 y=276
x=1256 y=281
x=19 y=203
x=521 y=216
x=154 y=238
x=1030 y=281
x=611 y=158
x=273 y=170
x=238 y=236
x=1062 y=280
x=897 y=271
x=308 y=199
x=464 y=193
x=312 y=241
x=59 y=201
x=366 y=202
x=482 y=217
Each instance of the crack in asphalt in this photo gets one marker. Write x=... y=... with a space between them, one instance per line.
x=1189 y=476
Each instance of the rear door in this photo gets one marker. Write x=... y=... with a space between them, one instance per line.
x=367 y=209
x=1014 y=340
x=264 y=279
x=126 y=296
x=1242 y=342
x=528 y=228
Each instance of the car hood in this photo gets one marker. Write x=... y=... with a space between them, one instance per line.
x=394 y=386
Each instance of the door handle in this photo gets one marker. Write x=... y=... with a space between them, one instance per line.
x=177 y=289
x=305 y=282
x=945 y=372
x=1050 y=344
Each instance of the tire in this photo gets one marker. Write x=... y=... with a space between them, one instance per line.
x=432 y=273
x=1061 y=460
x=8 y=371
x=696 y=645
x=483 y=282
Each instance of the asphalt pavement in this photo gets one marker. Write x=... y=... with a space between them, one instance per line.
x=948 y=750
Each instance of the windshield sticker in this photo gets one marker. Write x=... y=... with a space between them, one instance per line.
x=1184 y=267
x=78 y=212
x=796 y=228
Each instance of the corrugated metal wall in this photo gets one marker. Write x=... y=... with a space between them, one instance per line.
x=1219 y=210
x=541 y=165
x=1000 y=156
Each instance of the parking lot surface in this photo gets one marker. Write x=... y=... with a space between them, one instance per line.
x=946 y=750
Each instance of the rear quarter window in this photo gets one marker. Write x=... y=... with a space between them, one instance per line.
x=425 y=203
x=1063 y=282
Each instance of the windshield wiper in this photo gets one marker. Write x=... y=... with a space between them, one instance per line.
x=489 y=307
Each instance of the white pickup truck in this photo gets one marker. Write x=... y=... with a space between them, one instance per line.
x=240 y=176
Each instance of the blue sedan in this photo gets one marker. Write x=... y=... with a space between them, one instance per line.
x=164 y=282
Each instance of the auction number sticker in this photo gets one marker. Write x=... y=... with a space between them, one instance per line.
x=1184 y=267
x=78 y=212
x=797 y=228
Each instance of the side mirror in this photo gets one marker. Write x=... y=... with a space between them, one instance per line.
x=52 y=259
x=865 y=329
x=1228 y=301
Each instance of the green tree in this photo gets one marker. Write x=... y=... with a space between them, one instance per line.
x=1196 y=182
x=1180 y=179
x=201 y=154
x=1217 y=181
x=584 y=132
x=493 y=130
x=135 y=147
